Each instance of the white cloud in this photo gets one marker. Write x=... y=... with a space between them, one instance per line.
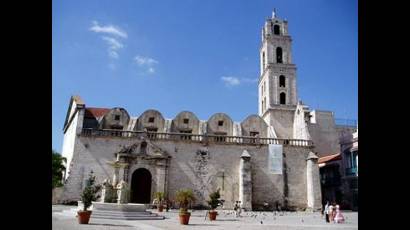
x=231 y=81
x=109 y=29
x=114 y=45
x=146 y=62
x=113 y=34
x=234 y=81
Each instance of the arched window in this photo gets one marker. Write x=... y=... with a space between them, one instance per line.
x=282 y=81
x=276 y=29
x=282 y=98
x=279 y=55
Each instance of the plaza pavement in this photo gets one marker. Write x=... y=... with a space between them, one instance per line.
x=64 y=220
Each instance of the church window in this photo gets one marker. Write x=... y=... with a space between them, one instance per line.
x=263 y=61
x=220 y=123
x=279 y=55
x=282 y=81
x=117 y=117
x=276 y=29
x=282 y=98
x=151 y=120
x=186 y=120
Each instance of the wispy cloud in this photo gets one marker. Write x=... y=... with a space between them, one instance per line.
x=113 y=46
x=146 y=62
x=234 y=81
x=231 y=81
x=109 y=29
x=112 y=37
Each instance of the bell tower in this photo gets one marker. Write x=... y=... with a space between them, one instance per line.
x=277 y=82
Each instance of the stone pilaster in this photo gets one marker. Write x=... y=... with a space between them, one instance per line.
x=314 y=195
x=161 y=176
x=245 y=181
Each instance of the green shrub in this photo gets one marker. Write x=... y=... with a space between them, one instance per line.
x=214 y=199
x=90 y=191
x=184 y=197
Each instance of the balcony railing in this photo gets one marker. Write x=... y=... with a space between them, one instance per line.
x=195 y=137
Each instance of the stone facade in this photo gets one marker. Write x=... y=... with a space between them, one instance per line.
x=204 y=155
x=193 y=165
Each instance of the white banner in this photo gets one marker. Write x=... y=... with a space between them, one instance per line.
x=275 y=159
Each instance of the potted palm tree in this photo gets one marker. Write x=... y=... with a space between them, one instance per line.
x=159 y=196
x=184 y=197
x=88 y=195
x=213 y=203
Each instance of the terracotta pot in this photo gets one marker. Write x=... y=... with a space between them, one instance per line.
x=160 y=208
x=212 y=215
x=83 y=217
x=184 y=218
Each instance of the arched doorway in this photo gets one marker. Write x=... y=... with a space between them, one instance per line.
x=141 y=186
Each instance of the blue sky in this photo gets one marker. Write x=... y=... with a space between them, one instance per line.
x=173 y=55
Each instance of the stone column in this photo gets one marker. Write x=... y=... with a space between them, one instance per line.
x=314 y=196
x=245 y=181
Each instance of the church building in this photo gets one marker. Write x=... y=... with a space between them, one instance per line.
x=270 y=157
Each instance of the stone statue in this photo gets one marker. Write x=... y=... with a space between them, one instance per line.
x=122 y=192
x=107 y=192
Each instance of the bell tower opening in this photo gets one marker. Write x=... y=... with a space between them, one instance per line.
x=279 y=55
x=283 y=98
x=276 y=29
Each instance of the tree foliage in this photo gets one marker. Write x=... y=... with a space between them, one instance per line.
x=58 y=169
x=90 y=191
x=214 y=199
x=184 y=197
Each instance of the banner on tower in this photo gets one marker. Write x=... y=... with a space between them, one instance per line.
x=275 y=159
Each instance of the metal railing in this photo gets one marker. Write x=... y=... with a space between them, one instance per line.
x=204 y=138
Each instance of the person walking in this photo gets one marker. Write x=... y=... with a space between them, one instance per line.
x=326 y=211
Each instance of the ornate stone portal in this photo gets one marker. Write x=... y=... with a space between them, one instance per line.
x=142 y=154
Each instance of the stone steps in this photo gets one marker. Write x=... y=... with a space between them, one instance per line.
x=119 y=215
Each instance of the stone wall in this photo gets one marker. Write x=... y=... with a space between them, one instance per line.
x=201 y=168
x=323 y=132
